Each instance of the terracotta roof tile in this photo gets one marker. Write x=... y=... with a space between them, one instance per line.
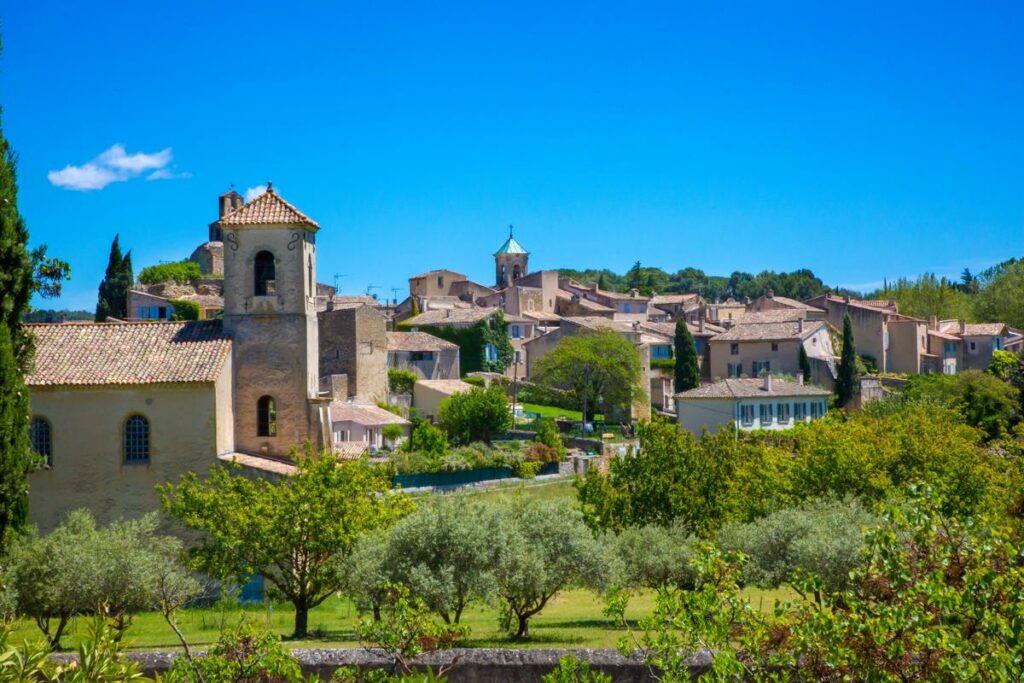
x=418 y=341
x=366 y=415
x=268 y=209
x=769 y=331
x=752 y=388
x=128 y=353
x=450 y=316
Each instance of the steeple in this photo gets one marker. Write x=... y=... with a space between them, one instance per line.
x=510 y=261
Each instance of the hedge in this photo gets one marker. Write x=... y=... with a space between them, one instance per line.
x=182 y=271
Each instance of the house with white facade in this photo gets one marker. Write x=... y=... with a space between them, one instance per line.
x=749 y=404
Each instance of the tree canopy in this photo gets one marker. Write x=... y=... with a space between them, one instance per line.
x=294 y=531
x=600 y=368
x=113 y=293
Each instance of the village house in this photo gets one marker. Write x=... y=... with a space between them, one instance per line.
x=353 y=344
x=669 y=307
x=428 y=356
x=109 y=399
x=749 y=404
x=978 y=341
x=631 y=306
x=722 y=312
x=428 y=394
x=751 y=350
x=770 y=302
x=702 y=333
x=362 y=426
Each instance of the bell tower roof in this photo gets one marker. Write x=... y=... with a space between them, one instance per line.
x=511 y=246
x=268 y=209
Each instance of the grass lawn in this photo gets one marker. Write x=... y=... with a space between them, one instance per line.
x=572 y=619
x=553 y=412
x=558 y=489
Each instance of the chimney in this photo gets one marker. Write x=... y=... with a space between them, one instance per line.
x=963 y=327
x=800 y=379
x=769 y=294
x=634 y=292
x=933 y=322
x=448 y=313
x=800 y=325
x=768 y=382
x=846 y=297
x=228 y=202
x=700 y=325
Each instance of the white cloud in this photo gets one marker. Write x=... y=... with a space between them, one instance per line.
x=115 y=165
x=254 y=192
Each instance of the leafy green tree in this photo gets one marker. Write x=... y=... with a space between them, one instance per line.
x=113 y=294
x=392 y=433
x=81 y=568
x=934 y=598
x=366 y=576
x=984 y=400
x=476 y=415
x=805 y=364
x=185 y=309
x=928 y=295
x=823 y=537
x=654 y=557
x=847 y=381
x=543 y=547
x=597 y=366
x=1000 y=297
x=687 y=370
x=444 y=553
x=401 y=381
x=426 y=438
x=294 y=532
x=182 y=272
x=602 y=282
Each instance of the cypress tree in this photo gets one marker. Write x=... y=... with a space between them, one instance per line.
x=16 y=264
x=805 y=364
x=846 y=383
x=113 y=293
x=15 y=450
x=687 y=367
x=602 y=283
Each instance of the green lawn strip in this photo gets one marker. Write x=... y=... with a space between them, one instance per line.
x=573 y=619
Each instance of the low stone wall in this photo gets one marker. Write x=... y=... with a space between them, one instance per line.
x=482 y=665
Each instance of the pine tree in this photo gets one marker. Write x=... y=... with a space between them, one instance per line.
x=687 y=367
x=846 y=383
x=805 y=364
x=113 y=294
x=15 y=451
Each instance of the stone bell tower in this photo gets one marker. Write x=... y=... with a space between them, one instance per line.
x=270 y=314
x=510 y=262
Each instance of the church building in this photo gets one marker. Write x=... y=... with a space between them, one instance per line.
x=118 y=408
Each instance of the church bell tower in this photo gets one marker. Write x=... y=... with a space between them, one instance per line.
x=270 y=314
x=510 y=262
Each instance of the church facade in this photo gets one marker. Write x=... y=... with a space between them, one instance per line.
x=118 y=408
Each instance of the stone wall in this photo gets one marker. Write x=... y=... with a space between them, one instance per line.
x=482 y=665
x=353 y=342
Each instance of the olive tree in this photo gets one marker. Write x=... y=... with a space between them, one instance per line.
x=654 y=556
x=543 y=547
x=444 y=554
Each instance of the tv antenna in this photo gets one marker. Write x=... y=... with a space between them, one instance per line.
x=338 y=276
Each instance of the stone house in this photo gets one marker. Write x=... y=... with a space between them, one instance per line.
x=749 y=404
x=354 y=343
x=428 y=394
x=428 y=356
x=120 y=407
x=755 y=349
x=978 y=341
x=361 y=426
x=770 y=302
x=892 y=340
x=669 y=307
x=631 y=306
x=702 y=333
x=723 y=312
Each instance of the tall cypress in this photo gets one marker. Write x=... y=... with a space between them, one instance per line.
x=805 y=364
x=16 y=267
x=113 y=292
x=15 y=450
x=687 y=366
x=846 y=383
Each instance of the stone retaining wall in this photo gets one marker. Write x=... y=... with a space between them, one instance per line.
x=478 y=665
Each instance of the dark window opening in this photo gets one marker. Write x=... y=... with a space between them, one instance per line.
x=264 y=272
x=39 y=435
x=266 y=417
x=136 y=440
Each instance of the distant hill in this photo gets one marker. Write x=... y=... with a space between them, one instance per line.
x=49 y=316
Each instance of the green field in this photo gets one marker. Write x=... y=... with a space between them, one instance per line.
x=573 y=619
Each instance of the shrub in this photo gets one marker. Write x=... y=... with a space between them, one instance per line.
x=185 y=309
x=477 y=415
x=526 y=469
x=540 y=453
x=243 y=654
x=180 y=271
x=654 y=557
x=572 y=670
x=475 y=380
x=392 y=432
x=426 y=438
x=548 y=434
x=985 y=400
x=401 y=381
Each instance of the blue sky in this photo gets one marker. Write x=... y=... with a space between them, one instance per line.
x=862 y=141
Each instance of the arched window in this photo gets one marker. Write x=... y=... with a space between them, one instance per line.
x=136 y=440
x=39 y=435
x=263 y=271
x=266 y=417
